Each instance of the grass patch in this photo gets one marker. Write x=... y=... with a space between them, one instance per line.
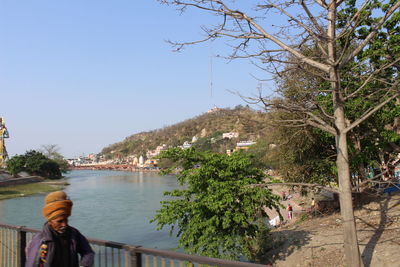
x=303 y=217
x=27 y=189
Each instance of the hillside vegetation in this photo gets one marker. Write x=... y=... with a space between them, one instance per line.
x=208 y=128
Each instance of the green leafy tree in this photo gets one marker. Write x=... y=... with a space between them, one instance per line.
x=218 y=211
x=16 y=164
x=34 y=163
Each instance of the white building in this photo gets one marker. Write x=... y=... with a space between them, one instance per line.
x=245 y=143
x=141 y=161
x=230 y=135
x=186 y=145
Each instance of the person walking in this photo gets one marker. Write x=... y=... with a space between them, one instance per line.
x=58 y=244
x=290 y=211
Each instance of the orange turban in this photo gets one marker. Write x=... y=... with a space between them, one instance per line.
x=56 y=204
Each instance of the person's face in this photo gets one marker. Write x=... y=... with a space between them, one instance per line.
x=59 y=224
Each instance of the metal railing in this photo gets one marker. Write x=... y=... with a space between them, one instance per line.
x=13 y=240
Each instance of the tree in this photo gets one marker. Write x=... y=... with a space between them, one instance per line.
x=300 y=150
x=259 y=152
x=35 y=163
x=52 y=152
x=217 y=210
x=347 y=33
x=16 y=164
x=302 y=155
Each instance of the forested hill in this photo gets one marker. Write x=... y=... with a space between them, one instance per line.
x=208 y=128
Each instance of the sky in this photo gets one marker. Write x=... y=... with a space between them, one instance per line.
x=86 y=74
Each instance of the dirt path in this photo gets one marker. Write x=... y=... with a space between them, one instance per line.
x=319 y=242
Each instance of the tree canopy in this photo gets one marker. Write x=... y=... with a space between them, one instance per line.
x=216 y=211
x=34 y=163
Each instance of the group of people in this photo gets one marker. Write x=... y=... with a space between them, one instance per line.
x=58 y=244
x=289 y=208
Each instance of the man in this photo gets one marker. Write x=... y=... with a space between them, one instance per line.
x=58 y=244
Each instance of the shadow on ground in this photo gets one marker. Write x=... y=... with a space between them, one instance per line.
x=378 y=229
x=286 y=242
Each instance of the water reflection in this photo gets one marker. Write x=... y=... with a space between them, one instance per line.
x=108 y=205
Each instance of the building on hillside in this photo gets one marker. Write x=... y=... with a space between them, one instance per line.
x=230 y=135
x=194 y=139
x=186 y=145
x=230 y=151
x=157 y=151
x=214 y=109
x=92 y=157
x=141 y=161
x=244 y=144
x=272 y=146
x=135 y=161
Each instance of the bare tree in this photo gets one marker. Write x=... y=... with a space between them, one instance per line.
x=273 y=34
x=51 y=151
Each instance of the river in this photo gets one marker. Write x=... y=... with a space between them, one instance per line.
x=109 y=205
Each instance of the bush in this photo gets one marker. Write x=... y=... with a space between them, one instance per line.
x=15 y=165
x=217 y=210
x=34 y=163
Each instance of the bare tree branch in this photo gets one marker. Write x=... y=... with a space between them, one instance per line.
x=313 y=19
x=371 y=111
x=370 y=77
x=305 y=27
x=348 y=28
x=331 y=189
x=322 y=3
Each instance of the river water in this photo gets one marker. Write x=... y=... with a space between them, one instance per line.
x=109 y=205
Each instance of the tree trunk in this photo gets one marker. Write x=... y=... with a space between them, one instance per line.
x=351 y=250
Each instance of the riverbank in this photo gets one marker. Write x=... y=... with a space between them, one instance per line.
x=318 y=241
x=21 y=190
x=115 y=167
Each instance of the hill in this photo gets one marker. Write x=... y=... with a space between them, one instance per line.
x=206 y=128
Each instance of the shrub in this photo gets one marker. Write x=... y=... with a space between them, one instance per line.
x=34 y=163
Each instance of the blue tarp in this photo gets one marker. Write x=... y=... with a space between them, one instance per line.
x=392 y=188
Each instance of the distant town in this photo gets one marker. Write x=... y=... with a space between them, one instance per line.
x=149 y=160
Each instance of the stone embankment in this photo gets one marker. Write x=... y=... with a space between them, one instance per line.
x=7 y=179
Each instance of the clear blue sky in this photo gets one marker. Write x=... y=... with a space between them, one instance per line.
x=86 y=74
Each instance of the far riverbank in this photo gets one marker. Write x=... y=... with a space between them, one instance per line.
x=115 y=167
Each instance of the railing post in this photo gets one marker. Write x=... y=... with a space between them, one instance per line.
x=135 y=257
x=21 y=244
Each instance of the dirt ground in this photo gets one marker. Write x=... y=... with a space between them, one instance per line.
x=318 y=241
